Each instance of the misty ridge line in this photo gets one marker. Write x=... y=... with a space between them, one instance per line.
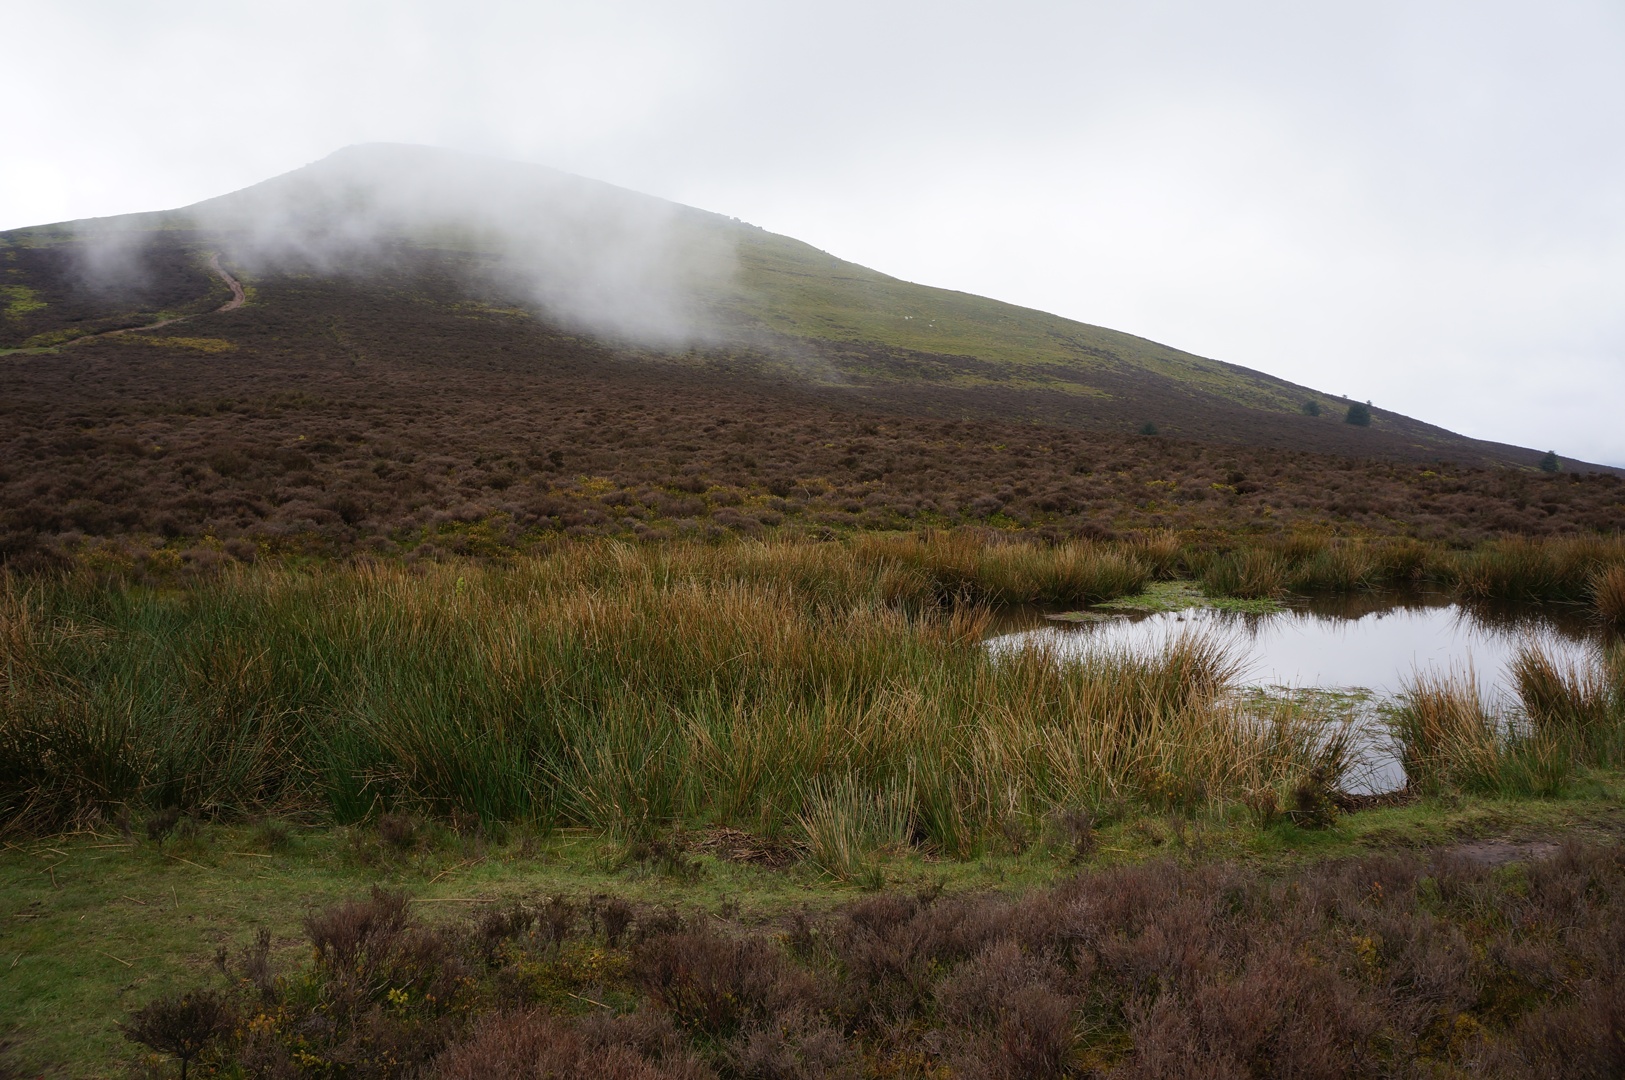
x=624 y=267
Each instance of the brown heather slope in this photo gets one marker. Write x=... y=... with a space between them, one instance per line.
x=405 y=387
x=331 y=416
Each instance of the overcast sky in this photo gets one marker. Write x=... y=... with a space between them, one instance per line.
x=1417 y=203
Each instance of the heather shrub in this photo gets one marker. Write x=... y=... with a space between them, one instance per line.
x=1374 y=966
x=1010 y=1018
x=713 y=985
x=183 y=1027
x=794 y=1046
x=536 y=1046
x=492 y=435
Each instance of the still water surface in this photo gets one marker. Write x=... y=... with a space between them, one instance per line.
x=1373 y=644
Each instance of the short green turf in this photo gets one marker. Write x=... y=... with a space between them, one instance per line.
x=1165 y=596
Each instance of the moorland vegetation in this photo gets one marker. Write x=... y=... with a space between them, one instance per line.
x=385 y=581
x=837 y=690
x=824 y=713
x=344 y=420
x=1379 y=966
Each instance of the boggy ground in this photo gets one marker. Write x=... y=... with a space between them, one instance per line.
x=334 y=417
x=668 y=780
x=1446 y=937
x=841 y=690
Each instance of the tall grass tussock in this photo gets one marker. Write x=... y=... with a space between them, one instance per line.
x=1588 y=569
x=1608 y=595
x=1568 y=715
x=770 y=686
x=1524 y=570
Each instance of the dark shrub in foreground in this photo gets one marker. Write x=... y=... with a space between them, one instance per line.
x=182 y=1027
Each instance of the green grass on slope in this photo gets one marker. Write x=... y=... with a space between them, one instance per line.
x=801 y=291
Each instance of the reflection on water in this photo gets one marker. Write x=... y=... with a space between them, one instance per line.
x=1374 y=642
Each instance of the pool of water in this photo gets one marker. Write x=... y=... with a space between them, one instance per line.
x=1368 y=646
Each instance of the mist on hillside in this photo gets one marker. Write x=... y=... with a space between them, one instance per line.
x=584 y=254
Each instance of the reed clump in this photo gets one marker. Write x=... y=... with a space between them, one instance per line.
x=777 y=687
x=1337 y=568
x=1449 y=737
x=1580 y=705
x=971 y=568
x=1568 y=715
x=1522 y=570
x=1159 y=551
x=1252 y=573
x=1587 y=568
x=1607 y=594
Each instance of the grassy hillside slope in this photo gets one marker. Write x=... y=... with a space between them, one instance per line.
x=529 y=241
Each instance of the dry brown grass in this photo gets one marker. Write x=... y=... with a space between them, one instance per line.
x=626 y=688
x=1608 y=594
x=1570 y=715
x=1447 y=735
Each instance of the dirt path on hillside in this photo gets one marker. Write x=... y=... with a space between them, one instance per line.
x=236 y=301
x=236 y=286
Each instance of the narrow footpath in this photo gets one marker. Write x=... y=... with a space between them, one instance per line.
x=236 y=301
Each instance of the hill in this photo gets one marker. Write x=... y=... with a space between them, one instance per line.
x=435 y=345
x=631 y=268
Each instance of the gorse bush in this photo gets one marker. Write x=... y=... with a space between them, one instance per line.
x=768 y=686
